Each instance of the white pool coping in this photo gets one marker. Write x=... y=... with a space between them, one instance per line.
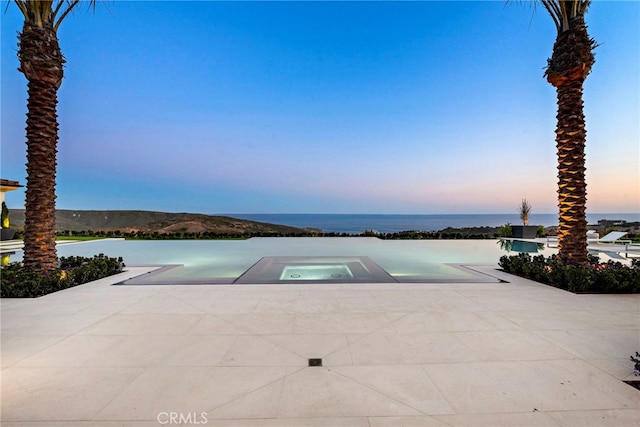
x=510 y=354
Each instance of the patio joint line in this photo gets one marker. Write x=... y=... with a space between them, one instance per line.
x=379 y=391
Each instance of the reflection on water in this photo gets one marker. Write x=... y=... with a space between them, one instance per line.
x=521 y=246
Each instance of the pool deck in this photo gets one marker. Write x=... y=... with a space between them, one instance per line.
x=487 y=354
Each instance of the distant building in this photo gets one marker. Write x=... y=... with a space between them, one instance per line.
x=606 y=223
x=7 y=185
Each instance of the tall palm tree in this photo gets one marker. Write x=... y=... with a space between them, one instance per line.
x=41 y=62
x=567 y=69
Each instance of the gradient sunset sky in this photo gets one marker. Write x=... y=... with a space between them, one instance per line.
x=326 y=107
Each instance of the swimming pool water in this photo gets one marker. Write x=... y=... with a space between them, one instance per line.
x=223 y=261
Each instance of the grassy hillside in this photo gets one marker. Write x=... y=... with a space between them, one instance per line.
x=149 y=222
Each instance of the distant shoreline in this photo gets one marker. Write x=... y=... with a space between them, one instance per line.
x=395 y=223
x=149 y=222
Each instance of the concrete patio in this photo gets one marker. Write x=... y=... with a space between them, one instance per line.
x=488 y=354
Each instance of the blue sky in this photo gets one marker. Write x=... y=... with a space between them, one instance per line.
x=326 y=107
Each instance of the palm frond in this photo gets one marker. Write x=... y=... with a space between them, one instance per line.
x=554 y=12
x=57 y=9
x=564 y=11
x=21 y=6
x=49 y=12
x=70 y=6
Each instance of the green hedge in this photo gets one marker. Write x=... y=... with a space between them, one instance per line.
x=446 y=234
x=636 y=364
x=17 y=282
x=597 y=277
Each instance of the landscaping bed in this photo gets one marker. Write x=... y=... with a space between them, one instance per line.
x=597 y=277
x=17 y=282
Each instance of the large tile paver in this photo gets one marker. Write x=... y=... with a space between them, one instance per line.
x=186 y=389
x=61 y=393
x=212 y=324
x=321 y=392
x=250 y=350
x=261 y=403
x=291 y=422
x=199 y=350
x=511 y=345
x=311 y=346
x=40 y=324
x=144 y=324
x=84 y=423
x=520 y=419
x=540 y=319
x=415 y=421
x=487 y=354
x=405 y=383
x=226 y=303
x=618 y=368
x=597 y=418
x=443 y=321
x=392 y=349
x=345 y=323
x=162 y=303
x=72 y=351
x=137 y=350
x=488 y=387
x=261 y=323
x=594 y=343
x=17 y=348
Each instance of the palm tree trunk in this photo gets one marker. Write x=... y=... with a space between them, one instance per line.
x=567 y=69
x=41 y=62
x=40 y=207
x=572 y=187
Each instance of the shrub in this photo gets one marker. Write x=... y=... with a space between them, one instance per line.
x=4 y=217
x=609 y=277
x=505 y=230
x=17 y=282
x=636 y=364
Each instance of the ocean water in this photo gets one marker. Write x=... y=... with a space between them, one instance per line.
x=357 y=223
